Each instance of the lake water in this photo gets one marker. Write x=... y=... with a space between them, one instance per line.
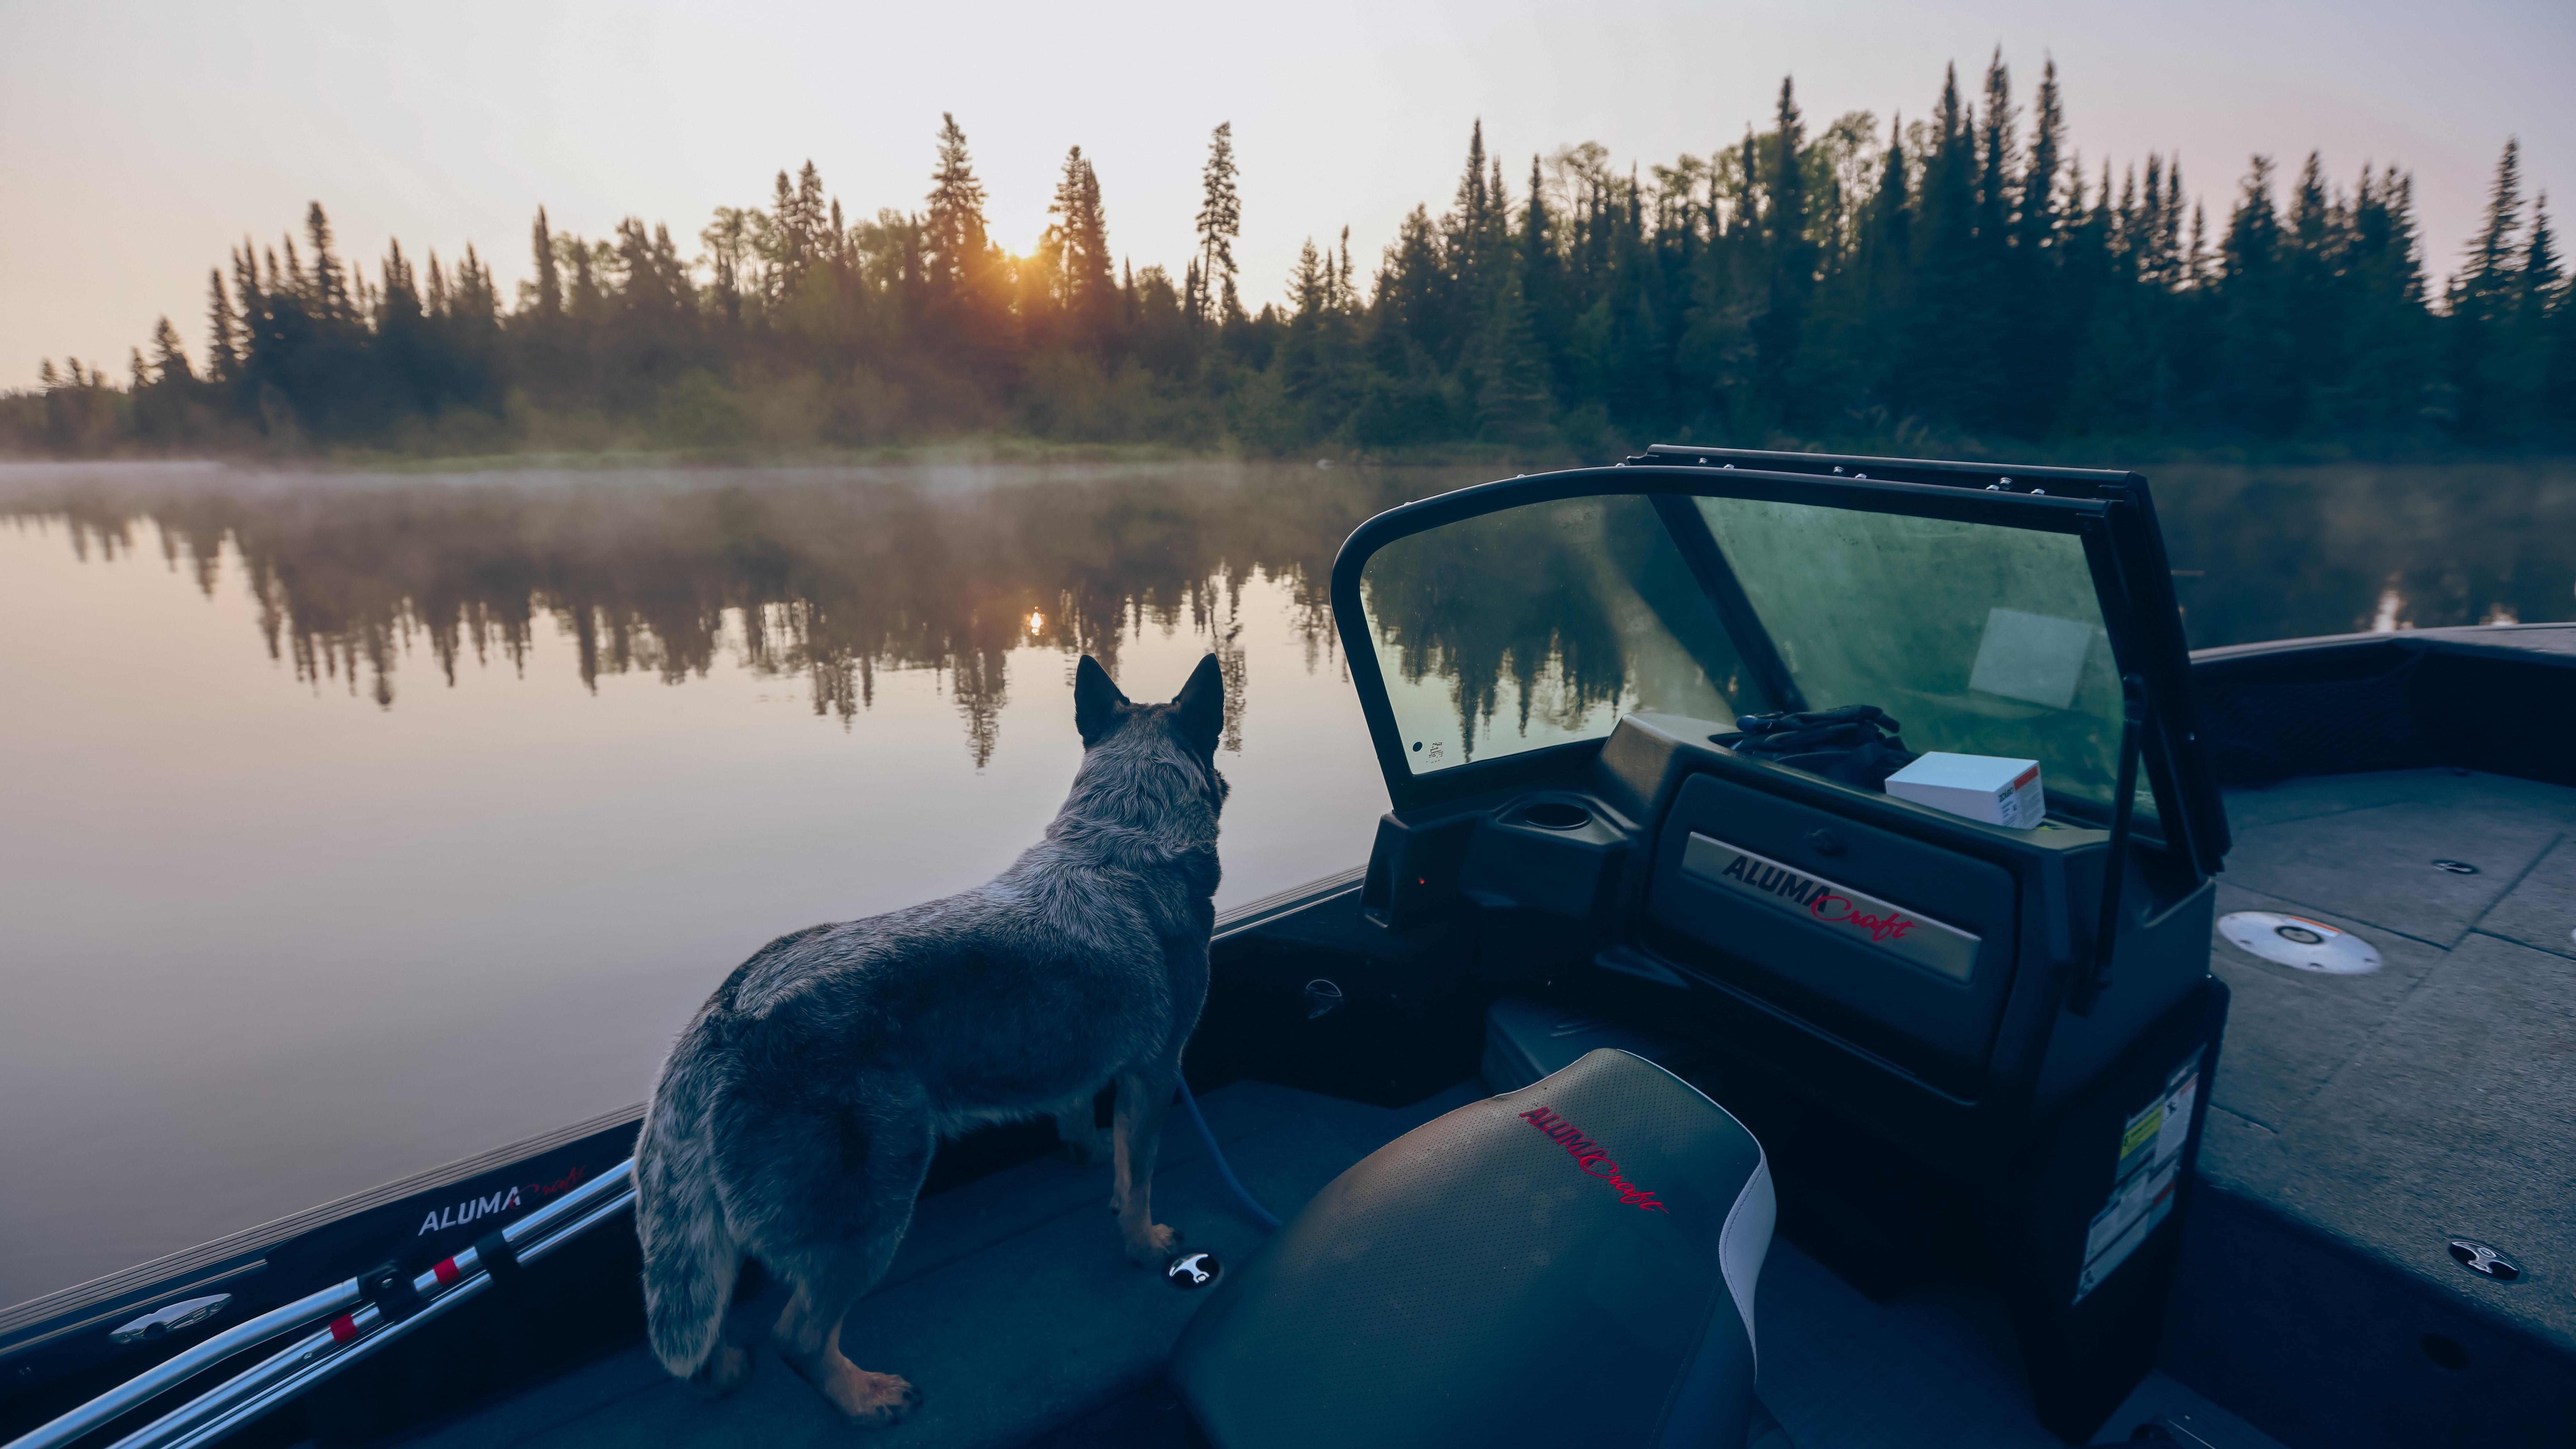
x=350 y=824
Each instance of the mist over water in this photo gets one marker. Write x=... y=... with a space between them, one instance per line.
x=355 y=823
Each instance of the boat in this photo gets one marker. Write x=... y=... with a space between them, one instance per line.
x=1652 y=1083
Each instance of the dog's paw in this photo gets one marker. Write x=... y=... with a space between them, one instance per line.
x=1089 y=1149
x=874 y=1401
x=723 y=1372
x=1153 y=1247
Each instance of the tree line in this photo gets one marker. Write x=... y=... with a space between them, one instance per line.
x=1961 y=280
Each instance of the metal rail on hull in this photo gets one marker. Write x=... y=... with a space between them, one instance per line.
x=350 y=1334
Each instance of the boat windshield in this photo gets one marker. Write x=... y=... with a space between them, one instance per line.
x=1543 y=624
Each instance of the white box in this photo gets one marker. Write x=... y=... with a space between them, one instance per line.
x=1981 y=787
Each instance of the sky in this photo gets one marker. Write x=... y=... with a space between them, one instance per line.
x=139 y=142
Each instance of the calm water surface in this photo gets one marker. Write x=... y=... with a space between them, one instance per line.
x=352 y=824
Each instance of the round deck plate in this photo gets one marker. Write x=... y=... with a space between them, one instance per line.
x=2298 y=942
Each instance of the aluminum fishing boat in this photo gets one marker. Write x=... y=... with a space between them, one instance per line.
x=1649 y=1086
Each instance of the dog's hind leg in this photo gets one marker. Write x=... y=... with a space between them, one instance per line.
x=809 y=1338
x=1079 y=1130
x=835 y=1190
x=758 y=1297
x=1144 y=1099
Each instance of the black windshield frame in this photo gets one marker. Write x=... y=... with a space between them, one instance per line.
x=2110 y=512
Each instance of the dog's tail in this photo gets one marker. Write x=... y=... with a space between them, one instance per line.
x=690 y=1256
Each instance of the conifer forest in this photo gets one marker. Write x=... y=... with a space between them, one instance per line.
x=1959 y=279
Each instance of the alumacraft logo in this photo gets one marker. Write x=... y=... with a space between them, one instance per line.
x=476 y=1208
x=1588 y=1155
x=1891 y=928
x=1821 y=902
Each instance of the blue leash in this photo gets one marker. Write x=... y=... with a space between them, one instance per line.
x=1251 y=1205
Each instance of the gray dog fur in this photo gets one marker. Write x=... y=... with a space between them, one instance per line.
x=798 y=1111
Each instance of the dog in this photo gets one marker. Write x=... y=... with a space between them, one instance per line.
x=794 y=1120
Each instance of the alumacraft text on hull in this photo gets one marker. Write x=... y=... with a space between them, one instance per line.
x=2022 y=1193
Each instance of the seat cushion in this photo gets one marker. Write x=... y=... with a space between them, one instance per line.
x=1570 y=1263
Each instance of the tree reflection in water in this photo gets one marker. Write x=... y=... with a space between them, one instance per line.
x=821 y=575
x=836 y=574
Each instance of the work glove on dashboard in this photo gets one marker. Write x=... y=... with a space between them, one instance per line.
x=1856 y=744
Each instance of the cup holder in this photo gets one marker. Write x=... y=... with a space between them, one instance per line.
x=1556 y=815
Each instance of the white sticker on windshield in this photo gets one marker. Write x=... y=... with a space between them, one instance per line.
x=2142 y=1187
x=2031 y=657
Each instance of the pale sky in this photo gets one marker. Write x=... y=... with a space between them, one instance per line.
x=138 y=142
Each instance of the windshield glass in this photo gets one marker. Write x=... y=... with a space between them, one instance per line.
x=1538 y=625
x=1543 y=624
x=1981 y=639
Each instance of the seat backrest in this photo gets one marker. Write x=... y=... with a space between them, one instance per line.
x=1570 y=1263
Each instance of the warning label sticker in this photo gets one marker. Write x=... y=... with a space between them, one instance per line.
x=2142 y=1188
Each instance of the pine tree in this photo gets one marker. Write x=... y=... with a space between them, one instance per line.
x=1887 y=236
x=801 y=239
x=1780 y=329
x=2540 y=270
x=1952 y=372
x=2038 y=344
x=957 y=227
x=2036 y=199
x=2257 y=386
x=1512 y=394
x=1541 y=279
x=2383 y=387
x=2539 y=286
x=2313 y=290
x=1220 y=223
x=2484 y=378
x=2488 y=284
x=223 y=331
x=1995 y=171
x=1303 y=369
x=169 y=358
x=2557 y=402
x=1078 y=243
x=541 y=243
x=585 y=301
x=329 y=289
x=1476 y=228
x=476 y=301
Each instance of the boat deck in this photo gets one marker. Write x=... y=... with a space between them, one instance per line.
x=1009 y=1305
x=1013 y=1311
x=2360 y=1122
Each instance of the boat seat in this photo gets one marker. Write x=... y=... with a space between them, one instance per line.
x=1570 y=1263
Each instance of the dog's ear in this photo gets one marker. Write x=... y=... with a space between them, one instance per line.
x=1095 y=701
x=1199 y=709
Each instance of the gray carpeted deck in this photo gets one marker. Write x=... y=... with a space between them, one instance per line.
x=2359 y=1123
x=1009 y=1306
x=1012 y=1309
x=1932 y=1369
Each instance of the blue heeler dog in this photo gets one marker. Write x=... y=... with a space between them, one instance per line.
x=796 y=1115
